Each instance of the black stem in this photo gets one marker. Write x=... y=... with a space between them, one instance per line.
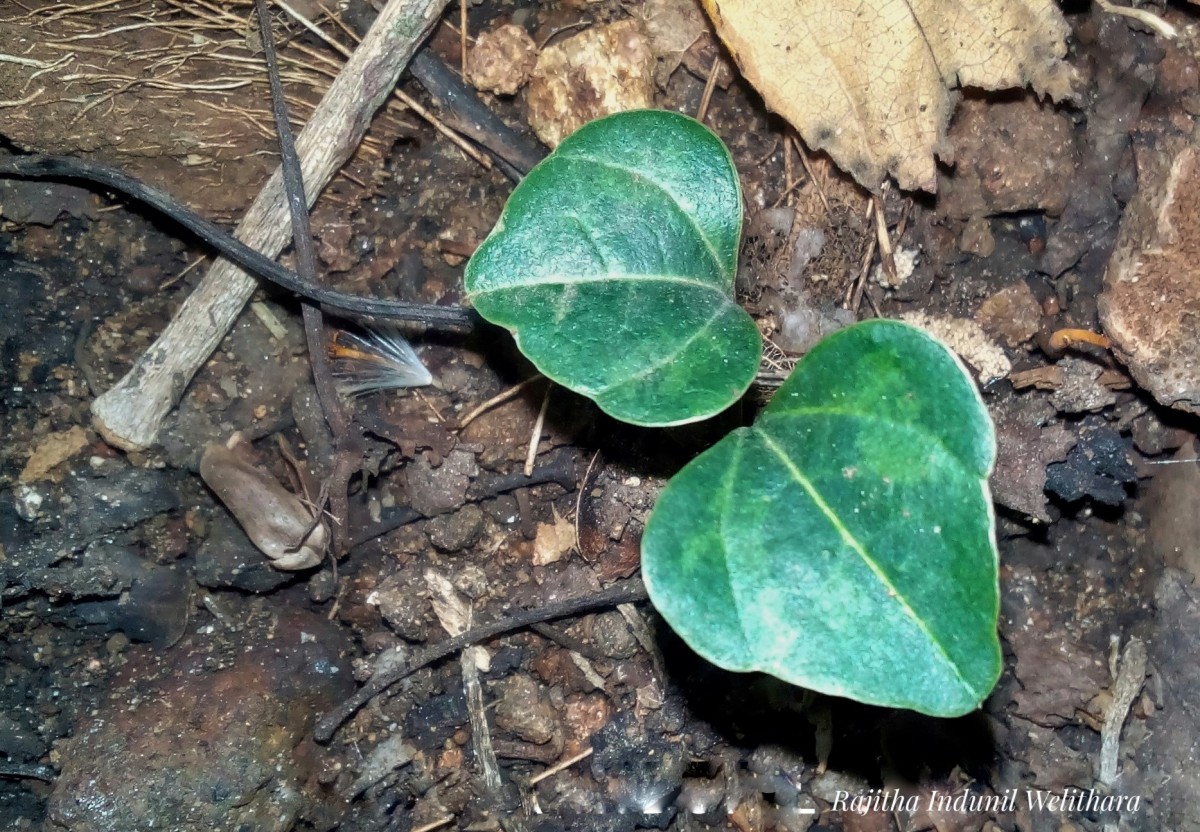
x=63 y=167
x=624 y=592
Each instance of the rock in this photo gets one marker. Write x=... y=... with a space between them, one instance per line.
x=1016 y=155
x=1152 y=286
x=1152 y=437
x=600 y=71
x=1081 y=391
x=1172 y=519
x=1012 y=315
x=1098 y=467
x=1025 y=445
x=209 y=735
x=402 y=602
x=501 y=60
x=457 y=531
x=977 y=238
x=612 y=637
x=432 y=491
x=523 y=709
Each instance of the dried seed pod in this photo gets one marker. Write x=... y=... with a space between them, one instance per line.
x=276 y=520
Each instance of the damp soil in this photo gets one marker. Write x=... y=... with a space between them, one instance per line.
x=159 y=673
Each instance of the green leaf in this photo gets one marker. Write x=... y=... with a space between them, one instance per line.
x=846 y=542
x=613 y=265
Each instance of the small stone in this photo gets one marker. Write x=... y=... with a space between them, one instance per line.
x=1013 y=315
x=601 y=71
x=502 y=60
x=523 y=709
x=1081 y=391
x=612 y=637
x=976 y=238
x=432 y=491
x=457 y=531
x=403 y=606
x=1152 y=437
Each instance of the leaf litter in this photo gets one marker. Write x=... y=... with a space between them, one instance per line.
x=871 y=84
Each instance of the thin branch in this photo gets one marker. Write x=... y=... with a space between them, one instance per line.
x=60 y=167
x=625 y=592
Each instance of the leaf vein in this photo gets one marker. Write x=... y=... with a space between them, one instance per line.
x=613 y=277
x=669 y=357
x=688 y=215
x=858 y=549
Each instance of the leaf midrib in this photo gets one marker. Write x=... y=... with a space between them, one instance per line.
x=851 y=541
x=644 y=176
x=671 y=356
x=608 y=277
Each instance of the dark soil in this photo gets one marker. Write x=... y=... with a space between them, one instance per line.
x=159 y=673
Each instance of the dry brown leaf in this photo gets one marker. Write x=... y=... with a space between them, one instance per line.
x=52 y=451
x=554 y=540
x=869 y=83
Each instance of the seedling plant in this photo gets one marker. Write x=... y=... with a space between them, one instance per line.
x=845 y=542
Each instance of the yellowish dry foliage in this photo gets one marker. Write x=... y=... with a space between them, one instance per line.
x=870 y=83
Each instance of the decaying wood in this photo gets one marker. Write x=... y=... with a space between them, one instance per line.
x=130 y=414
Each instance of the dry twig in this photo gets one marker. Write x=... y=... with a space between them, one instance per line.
x=130 y=414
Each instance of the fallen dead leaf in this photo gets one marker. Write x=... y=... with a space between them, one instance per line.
x=673 y=26
x=52 y=451
x=869 y=82
x=553 y=541
x=1039 y=378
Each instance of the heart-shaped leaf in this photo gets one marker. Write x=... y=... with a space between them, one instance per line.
x=846 y=542
x=613 y=265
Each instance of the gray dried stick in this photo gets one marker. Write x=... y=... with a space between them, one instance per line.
x=130 y=414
